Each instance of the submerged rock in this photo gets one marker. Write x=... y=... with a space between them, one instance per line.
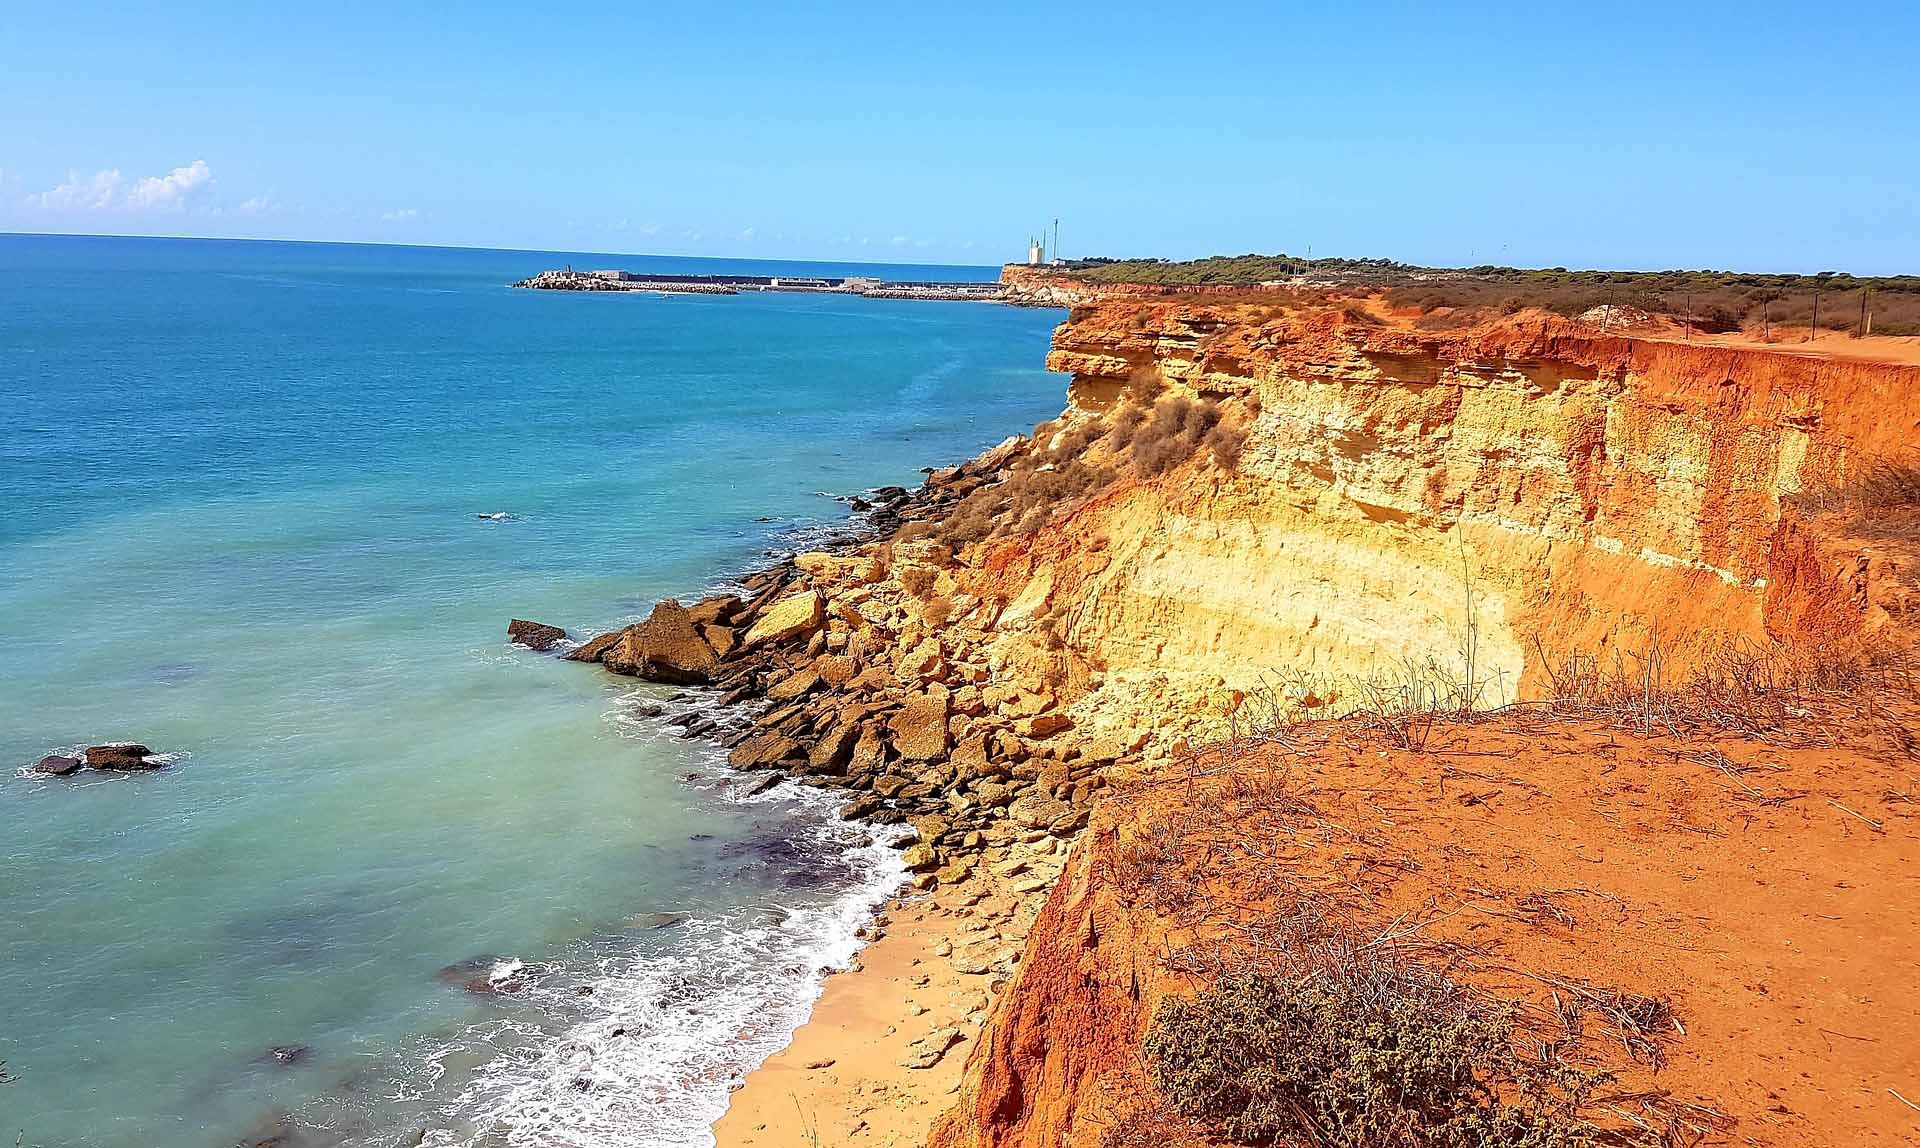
x=287 y=1054
x=127 y=756
x=535 y=635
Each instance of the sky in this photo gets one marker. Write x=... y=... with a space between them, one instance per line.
x=1751 y=136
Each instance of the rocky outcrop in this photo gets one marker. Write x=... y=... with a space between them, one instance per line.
x=667 y=647
x=58 y=765
x=124 y=756
x=534 y=635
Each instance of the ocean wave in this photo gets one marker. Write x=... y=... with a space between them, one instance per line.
x=668 y=1035
x=637 y=1040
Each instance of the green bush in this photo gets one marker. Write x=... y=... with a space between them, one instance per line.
x=1376 y=1055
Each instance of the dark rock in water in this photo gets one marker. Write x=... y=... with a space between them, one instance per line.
x=57 y=765
x=459 y=971
x=659 y=920
x=594 y=649
x=534 y=635
x=765 y=783
x=288 y=1054
x=647 y=711
x=132 y=755
x=276 y=1130
x=860 y=505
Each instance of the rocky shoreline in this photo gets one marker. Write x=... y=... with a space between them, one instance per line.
x=864 y=669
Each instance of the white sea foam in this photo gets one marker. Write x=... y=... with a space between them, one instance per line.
x=657 y=1047
x=638 y=1042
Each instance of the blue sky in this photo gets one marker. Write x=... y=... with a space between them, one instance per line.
x=1758 y=135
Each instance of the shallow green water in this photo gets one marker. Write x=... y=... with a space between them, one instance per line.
x=240 y=485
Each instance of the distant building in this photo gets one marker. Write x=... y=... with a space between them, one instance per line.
x=614 y=276
x=1036 y=253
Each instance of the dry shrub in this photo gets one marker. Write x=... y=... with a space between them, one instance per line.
x=937 y=610
x=1881 y=501
x=1351 y=1043
x=1144 y=390
x=1225 y=442
x=917 y=580
x=1171 y=434
x=1148 y=433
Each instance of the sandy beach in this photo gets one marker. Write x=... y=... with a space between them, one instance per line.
x=881 y=1057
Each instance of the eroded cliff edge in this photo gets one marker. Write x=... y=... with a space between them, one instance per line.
x=1594 y=489
x=1493 y=502
x=1253 y=511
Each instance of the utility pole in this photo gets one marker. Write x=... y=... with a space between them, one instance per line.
x=1813 y=331
x=1862 y=328
x=1056 y=237
x=1689 y=316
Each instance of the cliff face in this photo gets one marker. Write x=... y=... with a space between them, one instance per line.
x=1511 y=493
x=1572 y=492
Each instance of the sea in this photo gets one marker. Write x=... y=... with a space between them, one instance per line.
x=267 y=508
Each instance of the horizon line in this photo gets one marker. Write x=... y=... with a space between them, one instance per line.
x=470 y=247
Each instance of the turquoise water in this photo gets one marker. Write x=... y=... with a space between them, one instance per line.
x=239 y=489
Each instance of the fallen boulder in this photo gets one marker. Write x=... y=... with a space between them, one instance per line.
x=667 y=647
x=920 y=728
x=594 y=649
x=709 y=611
x=790 y=617
x=762 y=750
x=535 y=635
x=129 y=756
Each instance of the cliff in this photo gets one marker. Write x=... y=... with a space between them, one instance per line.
x=1252 y=513
x=1479 y=506
x=1576 y=493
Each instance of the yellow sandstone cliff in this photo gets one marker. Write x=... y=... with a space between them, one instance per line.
x=1576 y=493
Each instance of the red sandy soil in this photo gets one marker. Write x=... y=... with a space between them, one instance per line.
x=1770 y=892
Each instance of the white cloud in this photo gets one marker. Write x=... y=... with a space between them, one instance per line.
x=108 y=190
x=746 y=235
x=97 y=194
x=259 y=205
x=172 y=191
x=649 y=229
x=899 y=241
x=403 y=215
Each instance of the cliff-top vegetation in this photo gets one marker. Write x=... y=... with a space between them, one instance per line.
x=1712 y=301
